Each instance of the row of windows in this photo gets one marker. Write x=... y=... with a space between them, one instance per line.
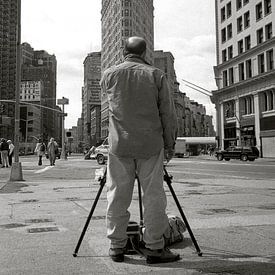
x=226 y=33
x=226 y=11
x=245 y=44
x=246 y=106
x=27 y=97
x=265 y=63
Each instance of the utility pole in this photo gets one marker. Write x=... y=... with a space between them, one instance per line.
x=16 y=169
x=63 y=101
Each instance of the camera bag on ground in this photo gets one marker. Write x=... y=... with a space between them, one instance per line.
x=172 y=235
x=174 y=232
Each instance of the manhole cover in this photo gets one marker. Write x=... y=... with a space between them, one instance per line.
x=33 y=200
x=42 y=229
x=38 y=220
x=12 y=225
x=98 y=218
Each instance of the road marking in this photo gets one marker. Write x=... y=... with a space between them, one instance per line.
x=43 y=170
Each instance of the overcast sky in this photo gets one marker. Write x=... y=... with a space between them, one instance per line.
x=71 y=29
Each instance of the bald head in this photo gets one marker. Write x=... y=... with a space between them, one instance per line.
x=135 y=45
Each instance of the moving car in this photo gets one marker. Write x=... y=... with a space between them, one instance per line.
x=99 y=153
x=243 y=153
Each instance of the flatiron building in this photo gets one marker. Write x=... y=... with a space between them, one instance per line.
x=121 y=19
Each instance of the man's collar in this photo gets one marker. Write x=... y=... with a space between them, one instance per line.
x=135 y=58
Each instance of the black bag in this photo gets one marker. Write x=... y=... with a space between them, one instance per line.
x=133 y=233
x=42 y=147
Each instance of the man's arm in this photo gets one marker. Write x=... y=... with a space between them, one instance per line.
x=168 y=118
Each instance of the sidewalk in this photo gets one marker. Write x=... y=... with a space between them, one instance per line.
x=42 y=218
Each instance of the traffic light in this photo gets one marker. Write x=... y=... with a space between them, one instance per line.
x=68 y=134
x=2 y=108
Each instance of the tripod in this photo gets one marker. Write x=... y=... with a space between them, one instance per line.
x=168 y=179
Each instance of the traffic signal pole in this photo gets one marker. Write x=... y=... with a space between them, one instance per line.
x=16 y=169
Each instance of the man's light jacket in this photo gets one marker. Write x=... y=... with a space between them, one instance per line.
x=142 y=118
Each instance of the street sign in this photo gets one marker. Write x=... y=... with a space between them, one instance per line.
x=63 y=101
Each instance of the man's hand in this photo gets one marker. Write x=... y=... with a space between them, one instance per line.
x=168 y=154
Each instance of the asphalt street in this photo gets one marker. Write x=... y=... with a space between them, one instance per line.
x=229 y=206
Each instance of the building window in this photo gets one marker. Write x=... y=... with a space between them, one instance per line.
x=268 y=31
x=267 y=7
x=225 y=79
x=245 y=2
x=238 y=4
x=230 y=52
x=268 y=98
x=248 y=105
x=222 y=14
x=239 y=24
x=248 y=65
x=240 y=46
x=260 y=36
x=270 y=60
x=247 y=41
x=259 y=11
x=229 y=31
x=223 y=35
x=241 y=71
x=261 y=65
x=229 y=108
x=246 y=20
x=224 y=56
x=229 y=9
x=231 y=76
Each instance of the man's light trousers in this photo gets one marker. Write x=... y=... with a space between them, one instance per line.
x=120 y=184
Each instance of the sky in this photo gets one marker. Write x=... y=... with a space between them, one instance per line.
x=71 y=29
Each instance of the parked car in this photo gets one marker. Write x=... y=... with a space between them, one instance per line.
x=243 y=153
x=99 y=153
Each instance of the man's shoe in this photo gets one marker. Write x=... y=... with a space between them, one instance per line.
x=161 y=256
x=117 y=254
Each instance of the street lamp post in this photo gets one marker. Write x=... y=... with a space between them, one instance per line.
x=63 y=101
x=16 y=169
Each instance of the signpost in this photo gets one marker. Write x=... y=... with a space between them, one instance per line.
x=63 y=101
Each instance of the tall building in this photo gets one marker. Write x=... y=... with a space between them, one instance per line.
x=245 y=74
x=91 y=98
x=121 y=19
x=8 y=25
x=41 y=66
x=191 y=116
x=30 y=115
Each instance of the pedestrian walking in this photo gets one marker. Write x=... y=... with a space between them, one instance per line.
x=40 y=149
x=142 y=131
x=52 y=150
x=11 y=151
x=4 y=148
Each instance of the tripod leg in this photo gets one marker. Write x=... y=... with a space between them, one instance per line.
x=102 y=183
x=140 y=202
x=167 y=178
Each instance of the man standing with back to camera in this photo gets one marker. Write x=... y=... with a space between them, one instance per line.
x=142 y=132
